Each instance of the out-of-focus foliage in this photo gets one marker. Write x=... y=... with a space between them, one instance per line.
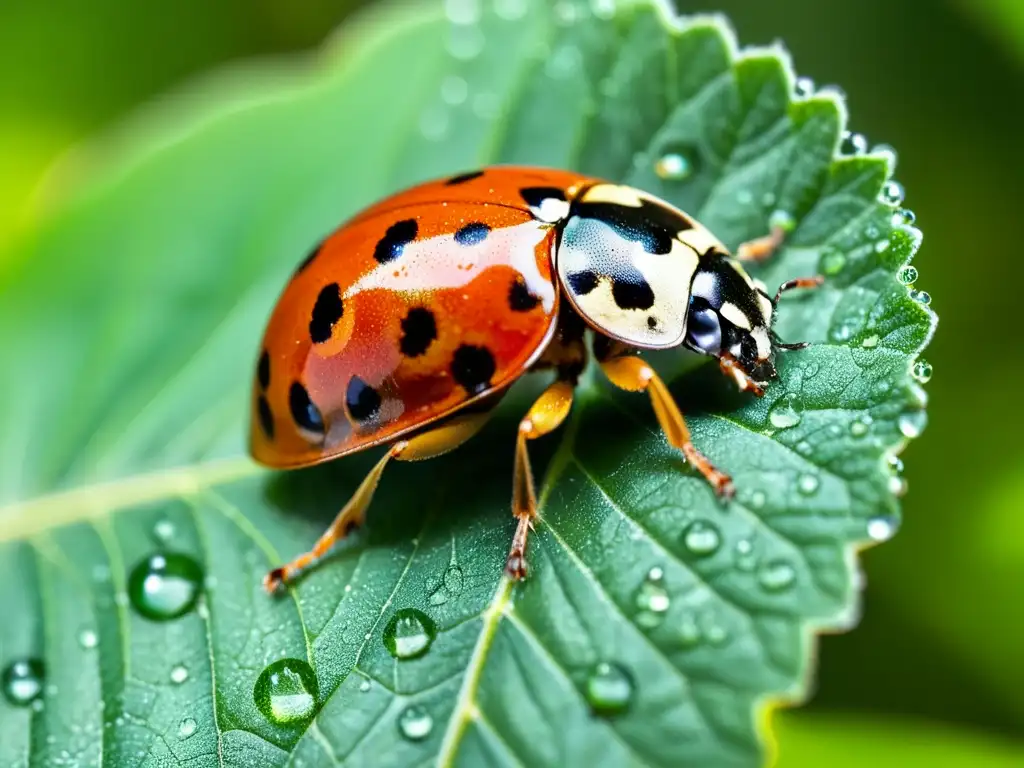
x=1003 y=19
x=937 y=640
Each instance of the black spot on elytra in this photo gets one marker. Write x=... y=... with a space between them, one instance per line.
x=395 y=239
x=473 y=233
x=327 y=310
x=632 y=294
x=313 y=253
x=266 y=417
x=472 y=367
x=534 y=196
x=419 y=329
x=519 y=297
x=652 y=225
x=363 y=401
x=263 y=370
x=652 y=322
x=304 y=412
x=462 y=178
x=582 y=282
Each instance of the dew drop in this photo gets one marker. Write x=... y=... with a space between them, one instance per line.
x=609 y=688
x=808 y=484
x=921 y=297
x=803 y=88
x=907 y=275
x=859 y=428
x=853 y=144
x=871 y=231
x=87 y=638
x=186 y=728
x=676 y=164
x=912 y=423
x=165 y=586
x=895 y=463
x=776 y=575
x=702 y=538
x=897 y=486
x=870 y=342
x=922 y=371
x=22 y=681
x=832 y=262
x=904 y=217
x=286 y=691
x=745 y=558
x=783 y=415
x=164 y=530
x=652 y=599
x=883 y=527
x=415 y=723
x=179 y=674
x=758 y=499
x=409 y=634
x=892 y=193
x=364 y=686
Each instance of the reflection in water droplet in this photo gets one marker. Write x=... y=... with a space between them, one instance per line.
x=22 y=681
x=883 y=528
x=676 y=163
x=853 y=144
x=609 y=689
x=776 y=575
x=783 y=414
x=922 y=297
x=907 y=275
x=179 y=674
x=922 y=371
x=892 y=193
x=186 y=728
x=912 y=423
x=808 y=484
x=652 y=600
x=702 y=538
x=87 y=638
x=165 y=586
x=286 y=691
x=832 y=262
x=415 y=723
x=409 y=634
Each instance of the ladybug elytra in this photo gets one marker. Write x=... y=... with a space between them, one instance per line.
x=407 y=325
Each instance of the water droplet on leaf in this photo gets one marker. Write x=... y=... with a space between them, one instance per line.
x=803 y=87
x=179 y=674
x=870 y=342
x=409 y=634
x=676 y=164
x=186 y=728
x=286 y=691
x=609 y=689
x=364 y=686
x=912 y=423
x=808 y=484
x=783 y=415
x=922 y=371
x=652 y=599
x=892 y=193
x=832 y=262
x=921 y=297
x=22 y=681
x=907 y=275
x=88 y=638
x=904 y=217
x=165 y=586
x=783 y=220
x=859 y=428
x=883 y=527
x=415 y=723
x=776 y=575
x=853 y=144
x=702 y=538
x=164 y=530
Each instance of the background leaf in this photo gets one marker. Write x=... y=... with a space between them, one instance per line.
x=137 y=309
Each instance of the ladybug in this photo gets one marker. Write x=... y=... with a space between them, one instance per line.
x=407 y=325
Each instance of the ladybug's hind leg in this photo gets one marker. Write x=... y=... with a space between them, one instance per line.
x=425 y=445
x=762 y=248
x=546 y=415
x=631 y=373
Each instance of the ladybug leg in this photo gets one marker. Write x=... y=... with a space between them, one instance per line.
x=761 y=248
x=423 y=446
x=634 y=375
x=546 y=415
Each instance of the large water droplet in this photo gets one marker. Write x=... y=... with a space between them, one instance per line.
x=165 y=585
x=676 y=163
x=186 y=728
x=652 y=599
x=702 y=538
x=609 y=688
x=912 y=423
x=415 y=723
x=853 y=144
x=883 y=527
x=776 y=575
x=409 y=634
x=784 y=415
x=286 y=691
x=892 y=193
x=22 y=681
x=921 y=297
x=922 y=371
x=808 y=484
x=907 y=275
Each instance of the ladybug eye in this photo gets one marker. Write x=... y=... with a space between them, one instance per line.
x=704 y=331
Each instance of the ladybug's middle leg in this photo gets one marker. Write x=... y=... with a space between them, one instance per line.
x=761 y=248
x=546 y=415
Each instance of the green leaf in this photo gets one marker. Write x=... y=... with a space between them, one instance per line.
x=656 y=621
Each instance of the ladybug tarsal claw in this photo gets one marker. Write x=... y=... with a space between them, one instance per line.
x=515 y=566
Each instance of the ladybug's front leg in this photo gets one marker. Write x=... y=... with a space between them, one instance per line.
x=546 y=415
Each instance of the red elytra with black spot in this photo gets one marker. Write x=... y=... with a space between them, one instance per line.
x=364 y=347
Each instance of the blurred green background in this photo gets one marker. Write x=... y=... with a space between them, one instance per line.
x=934 y=675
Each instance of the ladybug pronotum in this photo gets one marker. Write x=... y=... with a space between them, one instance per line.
x=406 y=326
